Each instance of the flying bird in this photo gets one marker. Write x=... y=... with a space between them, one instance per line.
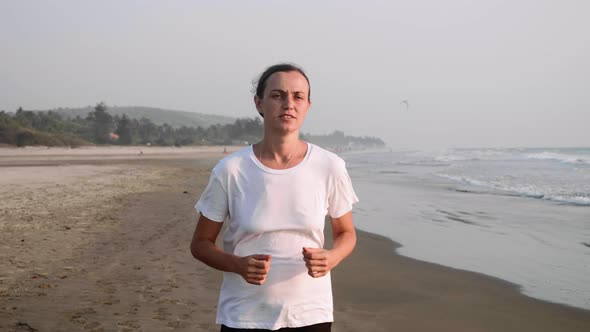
x=405 y=102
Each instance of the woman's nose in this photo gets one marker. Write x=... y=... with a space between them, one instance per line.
x=288 y=102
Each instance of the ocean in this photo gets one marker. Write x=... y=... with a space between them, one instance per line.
x=520 y=214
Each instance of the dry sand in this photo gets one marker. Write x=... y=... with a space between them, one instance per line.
x=97 y=240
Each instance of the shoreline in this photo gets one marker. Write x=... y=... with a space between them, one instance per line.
x=137 y=273
x=517 y=288
x=533 y=243
x=426 y=296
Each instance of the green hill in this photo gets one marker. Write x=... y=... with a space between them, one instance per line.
x=158 y=116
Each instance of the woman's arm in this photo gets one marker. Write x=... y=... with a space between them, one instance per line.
x=253 y=269
x=320 y=261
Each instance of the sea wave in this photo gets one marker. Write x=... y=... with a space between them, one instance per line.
x=454 y=155
x=576 y=200
x=562 y=157
x=565 y=155
x=500 y=188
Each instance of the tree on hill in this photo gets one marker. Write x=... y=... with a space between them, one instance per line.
x=101 y=123
x=147 y=131
x=26 y=118
x=124 y=130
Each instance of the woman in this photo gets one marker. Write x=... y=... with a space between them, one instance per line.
x=275 y=195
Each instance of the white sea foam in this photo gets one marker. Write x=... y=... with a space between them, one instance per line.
x=580 y=200
x=567 y=155
x=552 y=194
x=561 y=157
x=451 y=155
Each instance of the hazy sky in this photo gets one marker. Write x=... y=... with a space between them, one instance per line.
x=476 y=73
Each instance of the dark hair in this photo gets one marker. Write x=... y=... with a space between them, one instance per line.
x=260 y=83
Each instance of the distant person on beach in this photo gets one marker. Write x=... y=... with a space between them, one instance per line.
x=274 y=196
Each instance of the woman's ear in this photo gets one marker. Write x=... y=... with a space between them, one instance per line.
x=258 y=104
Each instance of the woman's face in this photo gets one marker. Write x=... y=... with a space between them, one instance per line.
x=285 y=102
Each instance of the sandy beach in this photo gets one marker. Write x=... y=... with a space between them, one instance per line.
x=97 y=239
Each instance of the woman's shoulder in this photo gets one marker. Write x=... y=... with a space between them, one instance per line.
x=233 y=160
x=326 y=157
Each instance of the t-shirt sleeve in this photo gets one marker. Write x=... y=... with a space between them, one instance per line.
x=213 y=203
x=342 y=196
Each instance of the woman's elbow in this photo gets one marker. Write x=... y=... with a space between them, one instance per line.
x=352 y=239
x=195 y=249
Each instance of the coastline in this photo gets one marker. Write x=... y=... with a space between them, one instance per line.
x=535 y=243
x=377 y=289
x=135 y=272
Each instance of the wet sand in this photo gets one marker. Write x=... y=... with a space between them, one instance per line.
x=100 y=242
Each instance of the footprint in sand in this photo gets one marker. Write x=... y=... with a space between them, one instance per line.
x=110 y=290
x=161 y=314
x=77 y=317
x=167 y=301
x=93 y=327
x=129 y=325
x=177 y=324
x=134 y=309
x=110 y=300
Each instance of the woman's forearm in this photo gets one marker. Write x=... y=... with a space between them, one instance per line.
x=343 y=245
x=208 y=253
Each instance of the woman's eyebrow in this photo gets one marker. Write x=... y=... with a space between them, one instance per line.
x=285 y=91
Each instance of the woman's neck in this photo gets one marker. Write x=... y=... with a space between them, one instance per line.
x=280 y=152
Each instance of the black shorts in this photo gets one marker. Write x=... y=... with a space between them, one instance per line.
x=321 y=327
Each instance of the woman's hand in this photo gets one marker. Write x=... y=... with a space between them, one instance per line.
x=319 y=261
x=254 y=268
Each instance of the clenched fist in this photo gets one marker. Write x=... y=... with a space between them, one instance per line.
x=254 y=268
x=318 y=261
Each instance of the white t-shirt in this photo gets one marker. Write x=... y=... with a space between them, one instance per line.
x=276 y=212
